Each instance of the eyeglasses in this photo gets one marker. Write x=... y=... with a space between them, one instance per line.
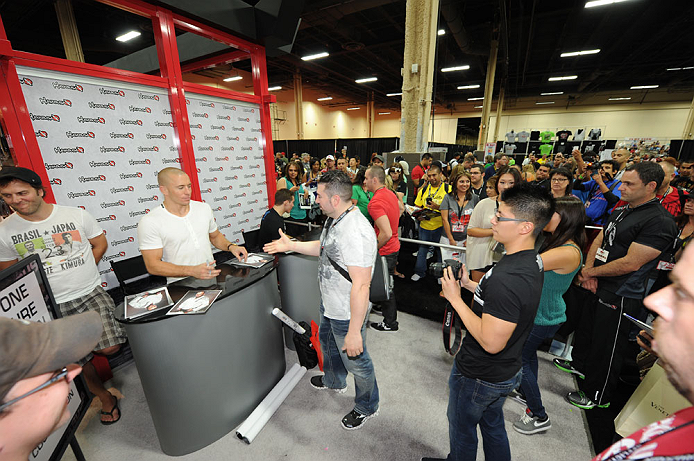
x=502 y=219
x=559 y=179
x=56 y=377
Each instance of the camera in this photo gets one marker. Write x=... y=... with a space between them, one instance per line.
x=436 y=269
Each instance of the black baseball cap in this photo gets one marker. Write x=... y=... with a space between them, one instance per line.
x=23 y=174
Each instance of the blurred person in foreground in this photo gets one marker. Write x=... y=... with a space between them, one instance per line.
x=35 y=374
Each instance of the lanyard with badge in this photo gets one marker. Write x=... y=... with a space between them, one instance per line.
x=611 y=230
x=463 y=218
x=329 y=224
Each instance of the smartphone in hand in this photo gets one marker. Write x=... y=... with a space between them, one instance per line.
x=644 y=326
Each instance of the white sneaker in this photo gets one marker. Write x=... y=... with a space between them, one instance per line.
x=416 y=278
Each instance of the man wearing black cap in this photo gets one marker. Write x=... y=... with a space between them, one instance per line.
x=69 y=262
x=36 y=369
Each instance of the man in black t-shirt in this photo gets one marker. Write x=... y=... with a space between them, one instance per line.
x=616 y=270
x=272 y=220
x=542 y=176
x=488 y=366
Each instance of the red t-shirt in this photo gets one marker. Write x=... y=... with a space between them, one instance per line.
x=654 y=442
x=417 y=173
x=385 y=202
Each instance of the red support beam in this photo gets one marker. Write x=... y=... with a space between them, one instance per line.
x=259 y=72
x=226 y=58
x=19 y=129
x=167 y=49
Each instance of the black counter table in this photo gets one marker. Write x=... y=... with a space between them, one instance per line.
x=203 y=374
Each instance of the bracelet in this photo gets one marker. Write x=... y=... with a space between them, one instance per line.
x=230 y=245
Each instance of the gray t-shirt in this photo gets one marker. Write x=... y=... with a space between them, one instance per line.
x=458 y=217
x=349 y=242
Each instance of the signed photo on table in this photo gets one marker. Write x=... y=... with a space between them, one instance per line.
x=146 y=302
x=195 y=302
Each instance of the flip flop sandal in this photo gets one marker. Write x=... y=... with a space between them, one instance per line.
x=402 y=276
x=110 y=413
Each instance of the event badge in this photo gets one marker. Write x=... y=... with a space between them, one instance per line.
x=601 y=255
x=665 y=265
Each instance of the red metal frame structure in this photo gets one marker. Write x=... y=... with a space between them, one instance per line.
x=19 y=129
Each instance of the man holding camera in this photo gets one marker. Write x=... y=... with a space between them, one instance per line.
x=603 y=189
x=429 y=199
x=488 y=366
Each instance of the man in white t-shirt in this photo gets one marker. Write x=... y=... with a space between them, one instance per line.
x=70 y=243
x=348 y=242
x=175 y=237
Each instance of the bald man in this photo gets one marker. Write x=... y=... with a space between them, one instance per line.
x=621 y=156
x=175 y=237
x=669 y=196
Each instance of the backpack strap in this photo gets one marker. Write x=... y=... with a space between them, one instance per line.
x=342 y=271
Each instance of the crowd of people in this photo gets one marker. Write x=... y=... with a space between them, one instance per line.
x=526 y=235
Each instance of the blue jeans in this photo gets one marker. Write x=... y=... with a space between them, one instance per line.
x=336 y=363
x=473 y=402
x=529 y=386
x=420 y=267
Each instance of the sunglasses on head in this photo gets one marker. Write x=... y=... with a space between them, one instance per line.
x=396 y=170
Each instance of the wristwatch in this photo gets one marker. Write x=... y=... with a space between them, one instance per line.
x=230 y=245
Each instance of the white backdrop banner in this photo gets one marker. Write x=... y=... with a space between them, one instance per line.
x=103 y=143
x=231 y=169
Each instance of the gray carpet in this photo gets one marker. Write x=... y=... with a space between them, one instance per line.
x=412 y=372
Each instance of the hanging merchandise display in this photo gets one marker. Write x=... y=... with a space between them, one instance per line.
x=563 y=135
x=523 y=136
x=510 y=136
x=546 y=136
x=595 y=134
x=545 y=149
x=580 y=134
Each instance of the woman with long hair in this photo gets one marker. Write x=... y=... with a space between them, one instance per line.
x=456 y=209
x=399 y=181
x=360 y=195
x=314 y=172
x=561 y=182
x=562 y=257
x=480 y=244
x=528 y=172
x=490 y=187
x=292 y=181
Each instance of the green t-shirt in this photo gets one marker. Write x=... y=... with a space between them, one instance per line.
x=362 y=199
x=546 y=136
x=545 y=149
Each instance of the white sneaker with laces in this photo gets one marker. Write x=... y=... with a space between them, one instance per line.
x=416 y=278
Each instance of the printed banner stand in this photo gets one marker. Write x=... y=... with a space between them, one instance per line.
x=25 y=294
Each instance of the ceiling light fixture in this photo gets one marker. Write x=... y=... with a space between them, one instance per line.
x=566 y=77
x=644 y=87
x=393 y=94
x=475 y=99
x=327 y=98
x=128 y=36
x=384 y=113
x=674 y=68
x=274 y=88
x=579 y=53
x=441 y=32
x=311 y=57
x=617 y=99
x=552 y=94
x=477 y=107
x=548 y=102
x=352 y=108
x=452 y=69
x=595 y=3
x=366 y=80
x=468 y=87
x=234 y=78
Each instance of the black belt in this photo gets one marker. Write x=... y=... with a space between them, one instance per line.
x=451 y=321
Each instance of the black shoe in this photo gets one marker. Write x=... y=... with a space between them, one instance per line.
x=433 y=459
x=354 y=420
x=376 y=308
x=565 y=365
x=317 y=383
x=517 y=396
x=381 y=326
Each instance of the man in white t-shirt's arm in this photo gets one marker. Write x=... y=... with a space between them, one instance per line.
x=175 y=238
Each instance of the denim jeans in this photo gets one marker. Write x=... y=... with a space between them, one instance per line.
x=420 y=267
x=336 y=363
x=473 y=402
x=389 y=308
x=529 y=386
